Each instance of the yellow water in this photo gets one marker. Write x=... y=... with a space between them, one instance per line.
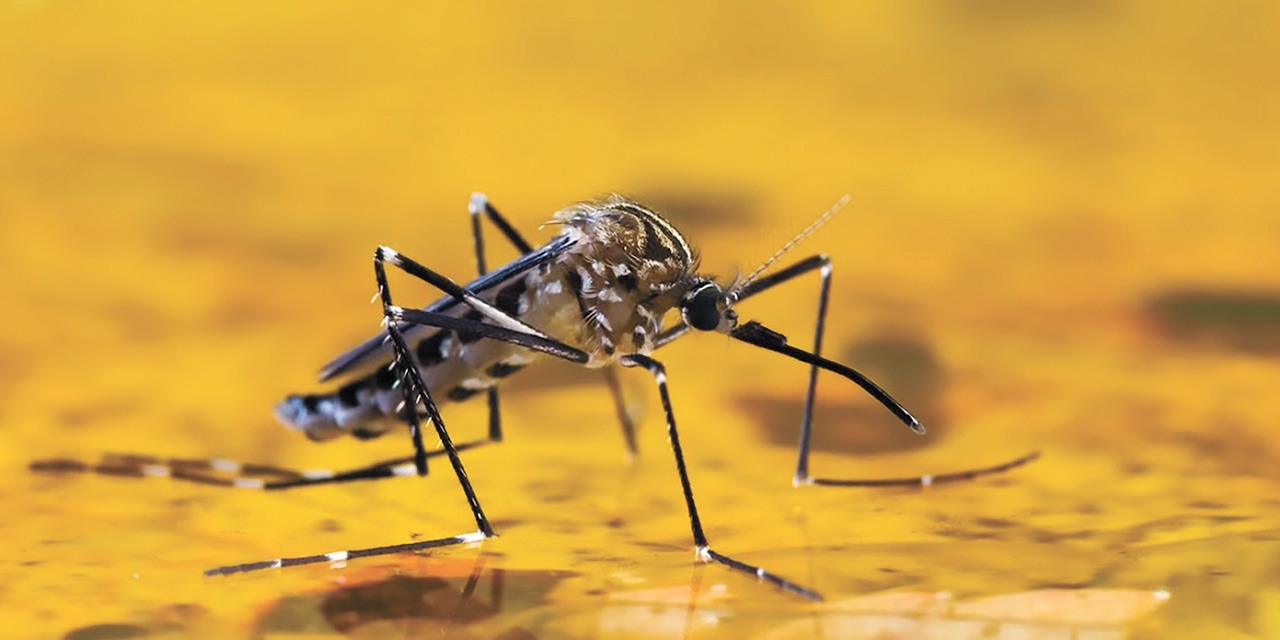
x=1062 y=238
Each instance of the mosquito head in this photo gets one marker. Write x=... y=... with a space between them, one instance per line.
x=706 y=308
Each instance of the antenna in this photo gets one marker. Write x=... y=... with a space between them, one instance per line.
x=822 y=219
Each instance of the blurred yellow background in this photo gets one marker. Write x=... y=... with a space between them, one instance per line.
x=1062 y=237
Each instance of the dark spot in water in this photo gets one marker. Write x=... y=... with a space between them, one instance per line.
x=994 y=523
x=87 y=414
x=1054 y=537
x=366 y=434
x=400 y=598
x=293 y=615
x=1013 y=12
x=410 y=606
x=849 y=421
x=515 y=633
x=1238 y=321
x=329 y=525
x=1068 y=586
x=703 y=207
x=109 y=631
x=966 y=534
x=1206 y=504
x=615 y=523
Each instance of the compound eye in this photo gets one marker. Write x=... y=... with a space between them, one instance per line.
x=702 y=309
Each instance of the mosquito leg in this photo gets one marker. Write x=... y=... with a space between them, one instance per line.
x=342 y=556
x=480 y=206
x=222 y=472
x=929 y=480
x=620 y=405
x=703 y=549
x=416 y=394
x=822 y=264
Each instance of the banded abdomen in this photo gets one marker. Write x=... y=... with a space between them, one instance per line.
x=454 y=365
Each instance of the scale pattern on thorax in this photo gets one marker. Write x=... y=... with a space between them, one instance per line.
x=621 y=269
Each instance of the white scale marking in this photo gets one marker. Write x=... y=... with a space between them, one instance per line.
x=476 y=384
x=317 y=474
x=224 y=465
x=477 y=203
x=155 y=471
x=337 y=556
x=248 y=483
x=404 y=470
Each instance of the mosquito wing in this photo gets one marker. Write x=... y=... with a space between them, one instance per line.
x=376 y=351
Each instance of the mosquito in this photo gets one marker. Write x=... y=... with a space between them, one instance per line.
x=598 y=294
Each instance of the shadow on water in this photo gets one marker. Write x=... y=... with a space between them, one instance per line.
x=482 y=604
x=1239 y=321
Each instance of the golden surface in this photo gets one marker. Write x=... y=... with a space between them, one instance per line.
x=1062 y=238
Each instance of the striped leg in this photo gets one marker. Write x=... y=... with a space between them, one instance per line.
x=222 y=472
x=822 y=264
x=703 y=549
x=480 y=206
x=417 y=394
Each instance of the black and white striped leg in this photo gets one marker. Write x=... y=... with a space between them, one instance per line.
x=480 y=206
x=343 y=556
x=822 y=264
x=703 y=549
x=620 y=406
x=222 y=472
x=417 y=394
